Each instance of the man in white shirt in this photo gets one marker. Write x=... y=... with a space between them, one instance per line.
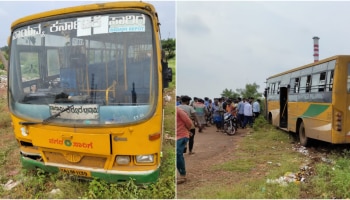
x=256 y=109
x=248 y=113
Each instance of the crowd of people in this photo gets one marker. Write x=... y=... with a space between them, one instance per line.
x=200 y=113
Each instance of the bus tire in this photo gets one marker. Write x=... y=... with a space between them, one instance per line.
x=304 y=141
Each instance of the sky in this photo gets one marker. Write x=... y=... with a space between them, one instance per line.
x=13 y=10
x=229 y=44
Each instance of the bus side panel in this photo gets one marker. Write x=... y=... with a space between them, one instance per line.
x=274 y=110
x=346 y=119
x=292 y=116
x=136 y=140
x=317 y=120
x=341 y=100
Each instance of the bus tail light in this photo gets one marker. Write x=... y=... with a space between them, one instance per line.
x=122 y=160
x=338 y=118
x=145 y=158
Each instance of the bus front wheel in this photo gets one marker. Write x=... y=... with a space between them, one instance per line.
x=304 y=140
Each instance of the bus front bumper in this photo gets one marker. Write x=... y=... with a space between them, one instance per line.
x=109 y=176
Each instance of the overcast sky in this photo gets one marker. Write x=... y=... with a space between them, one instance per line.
x=13 y=10
x=230 y=44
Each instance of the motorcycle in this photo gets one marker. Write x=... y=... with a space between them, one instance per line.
x=230 y=124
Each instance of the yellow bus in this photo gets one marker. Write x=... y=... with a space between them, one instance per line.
x=312 y=100
x=86 y=90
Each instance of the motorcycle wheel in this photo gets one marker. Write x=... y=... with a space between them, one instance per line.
x=231 y=130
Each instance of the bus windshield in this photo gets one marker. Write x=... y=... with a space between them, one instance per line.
x=101 y=67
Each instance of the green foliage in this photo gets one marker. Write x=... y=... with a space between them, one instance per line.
x=250 y=90
x=99 y=189
x=169 y=46
x=260 y=123
x=229 y=94
x=332 y=179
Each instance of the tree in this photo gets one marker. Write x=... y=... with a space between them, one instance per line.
x=169 y=47
x=229 y=94
x=251 y=90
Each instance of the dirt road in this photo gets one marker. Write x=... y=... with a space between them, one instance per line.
x=210 y=148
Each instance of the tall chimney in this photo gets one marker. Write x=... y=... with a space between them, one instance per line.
x=316 y=48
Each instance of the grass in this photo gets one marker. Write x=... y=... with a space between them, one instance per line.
x=39 y=184
x=265 y=156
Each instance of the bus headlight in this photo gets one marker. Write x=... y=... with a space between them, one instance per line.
x=145 y=158
x=122 y=160
x=24 y=131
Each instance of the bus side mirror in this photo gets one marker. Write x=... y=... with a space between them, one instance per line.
x=265 y=92
x=167 y=74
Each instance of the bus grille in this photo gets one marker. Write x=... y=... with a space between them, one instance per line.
x=84 y=161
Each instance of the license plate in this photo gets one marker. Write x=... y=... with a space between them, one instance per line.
x=76 y=172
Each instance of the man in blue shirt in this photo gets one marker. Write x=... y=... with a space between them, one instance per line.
x=240 y=108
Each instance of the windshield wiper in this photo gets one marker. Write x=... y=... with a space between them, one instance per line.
x=45 y=121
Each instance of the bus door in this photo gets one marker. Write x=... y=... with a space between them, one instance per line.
x=283 y=107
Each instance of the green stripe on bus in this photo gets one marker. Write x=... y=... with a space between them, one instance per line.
x=314 y=110
x=111 y=178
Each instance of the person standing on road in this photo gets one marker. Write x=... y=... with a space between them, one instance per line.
x=217 y=111
x=183 y=125
x=201 y=113
x=209 y=117
x=185 y=101
x=248 y=114
x=256 y=109
x=240 y=109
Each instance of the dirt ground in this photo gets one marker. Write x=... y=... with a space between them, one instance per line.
x=210 y=148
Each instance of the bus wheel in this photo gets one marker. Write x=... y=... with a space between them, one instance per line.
x=302 y=135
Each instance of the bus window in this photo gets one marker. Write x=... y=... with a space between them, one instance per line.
x=303 y=84
x=272 y=88
x=53 y=64
x=322 y=83
x=296 y=85
x=315 y=80
x=29 y=62
x=329 y=85
x=308 y=83
x=278 y=87
x=318 y=82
